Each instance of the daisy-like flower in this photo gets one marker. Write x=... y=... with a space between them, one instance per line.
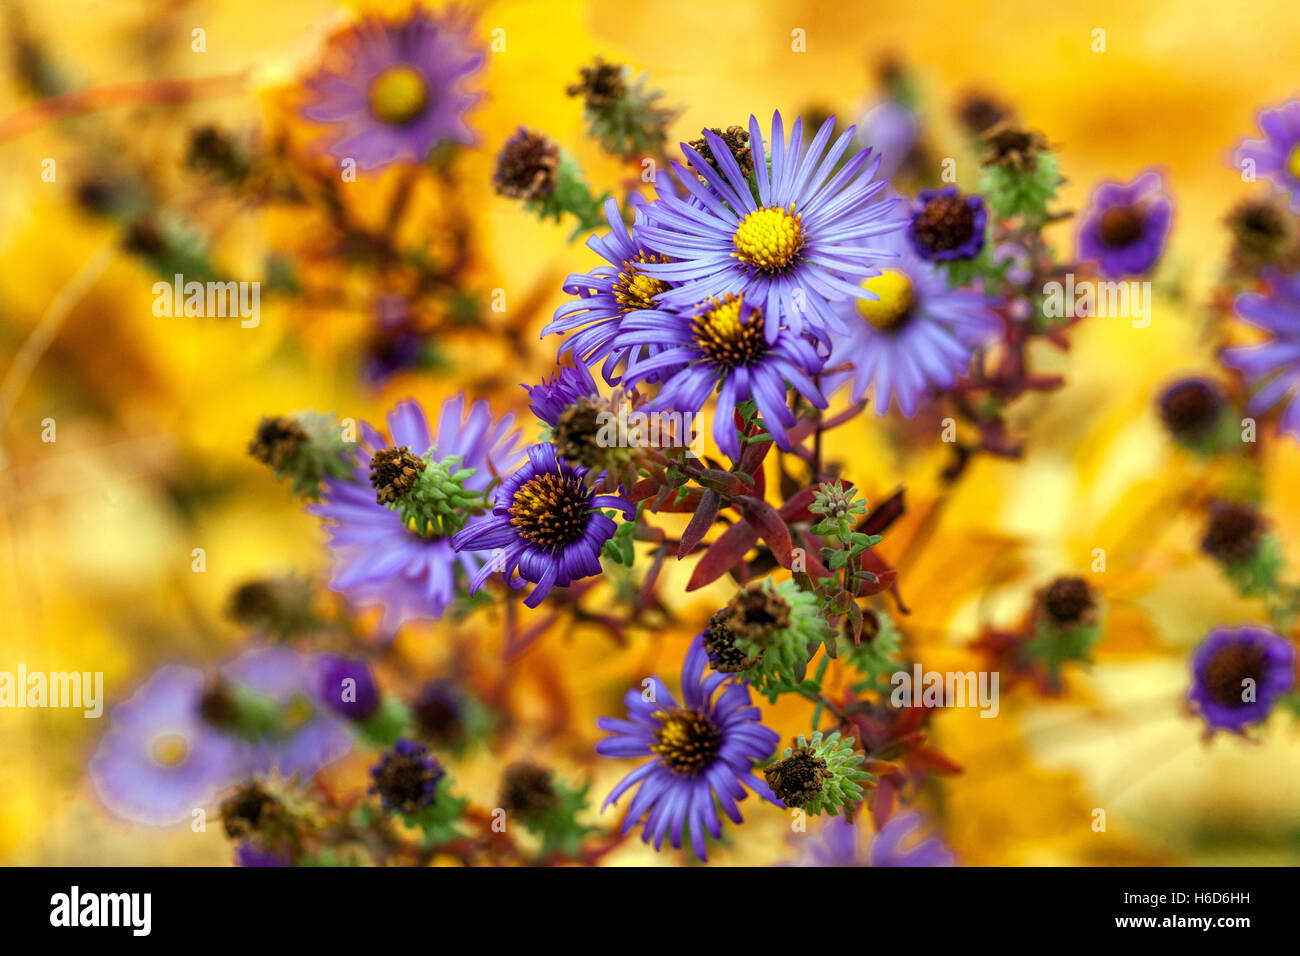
x=395 y=90
x=915 y=338
x=160 y=758
x=1238 y=674
x=1277 y=156
x=1272 y=367
x=1125 y=227
x=378 y=557
x=606 y=296
x=703 y=754
x=555 y=396
x=544 y=525
x=947 y=225
x=801 y=245
x=306 y=734
x=840 y=845
x=726 y=343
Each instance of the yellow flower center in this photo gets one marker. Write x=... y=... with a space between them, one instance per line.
x=687 y=740
x=726 y=340
x=634 y=290
x=769 y=238
x=169 y=750
x=398 y=95
x=893 y=303
x=1293 y=162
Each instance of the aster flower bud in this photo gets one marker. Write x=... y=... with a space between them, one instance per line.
x=1194 y=411
x=1066 y=624
x=1236 y=537
x=428 y=492
x=1020 y=177
x=1261 y=233
x=819 y=774
x=213 y=152
x=406 y=778
x=620 y=112
x=978 y=112
x=532 y=168
x=770 y=632
x=279 y=607
x=252 y=811
x=527 y=166
x=736 y=139
x=307 y=448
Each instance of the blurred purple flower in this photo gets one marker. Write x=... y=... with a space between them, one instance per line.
x=1124 y=228
x=1277 y=156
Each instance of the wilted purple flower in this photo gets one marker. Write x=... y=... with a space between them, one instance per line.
x=946 y=225
x=1277 y=156
x=703 y=751
x=1238 y=674
x=406 y=778
x=1272 y=367
x=1124 y=228
x=394 y=90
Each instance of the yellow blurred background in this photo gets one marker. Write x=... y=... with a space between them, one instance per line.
x=154 y=414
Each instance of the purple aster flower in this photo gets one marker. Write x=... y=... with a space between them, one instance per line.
x=406 y=778
x=550 y=399
x=307 y=735
x=160 y=759
x=1125 y=227
x=379 y=559
x=704 y=750
x=1272 y=367
x=545 y=526
x=887 y=845
x=916 y=337
x=946 y=225
x=1238 y=674
x=250 y=854
x=892 y=129
x=726 y=344
x=841 y=841
x=794 y=250
x=394 y=90
x=356 y=701
x=608 y=294
x=1277 y=156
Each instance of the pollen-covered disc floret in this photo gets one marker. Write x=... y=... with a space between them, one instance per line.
x=545 y=526
x=701 y=754
x=769 y=239
x=724 y=338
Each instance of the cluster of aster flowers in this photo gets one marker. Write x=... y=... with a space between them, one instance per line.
x=775 y=283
